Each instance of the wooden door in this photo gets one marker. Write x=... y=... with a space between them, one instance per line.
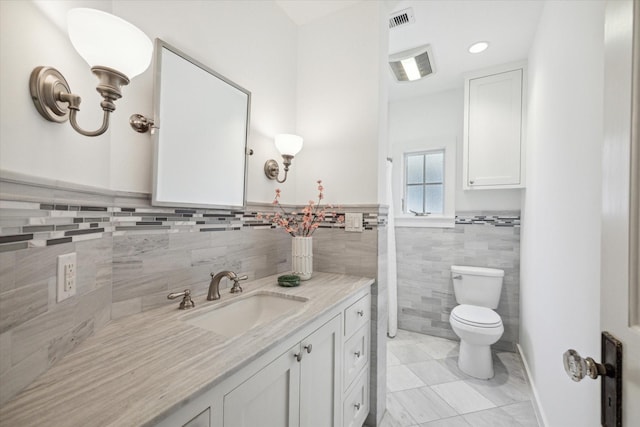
x=620 y=288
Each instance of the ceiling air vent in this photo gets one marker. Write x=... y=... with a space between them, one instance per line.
x=403 y=17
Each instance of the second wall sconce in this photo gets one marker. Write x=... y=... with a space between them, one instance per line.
x=288 y=145
x=116 y=51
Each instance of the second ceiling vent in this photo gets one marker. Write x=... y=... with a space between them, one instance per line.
x=403 y=17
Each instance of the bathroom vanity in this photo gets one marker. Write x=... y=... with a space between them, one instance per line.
x=307 y=365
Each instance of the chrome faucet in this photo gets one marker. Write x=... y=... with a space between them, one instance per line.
x=214 y=286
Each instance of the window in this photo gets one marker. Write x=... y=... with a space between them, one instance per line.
x=424 y=182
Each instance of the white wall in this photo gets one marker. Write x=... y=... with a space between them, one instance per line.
x=561 y=208
x=436 y=120
x=341 y=103
x=252 y=43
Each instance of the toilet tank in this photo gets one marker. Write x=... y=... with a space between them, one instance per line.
x=477 y=285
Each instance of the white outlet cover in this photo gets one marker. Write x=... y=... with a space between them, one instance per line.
x=353 y=221
x=65 y=292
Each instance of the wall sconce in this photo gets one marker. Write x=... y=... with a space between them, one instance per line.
x=115 y=50
x=288 y=145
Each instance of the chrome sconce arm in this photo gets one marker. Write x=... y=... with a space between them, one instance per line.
x=54 y=100
x=272 y=169
x=113 y=58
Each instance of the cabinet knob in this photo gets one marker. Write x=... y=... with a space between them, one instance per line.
x=357 y=406
x=357 y=354
x=360 y=313
x=308 y=347
x=471 y=182
x=298 y=356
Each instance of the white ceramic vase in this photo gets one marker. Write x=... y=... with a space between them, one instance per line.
x=302 y=257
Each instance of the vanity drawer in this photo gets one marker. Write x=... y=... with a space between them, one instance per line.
x=357 y=315
x=356 y=404
x=356 y=355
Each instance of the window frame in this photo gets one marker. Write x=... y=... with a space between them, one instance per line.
x=424 y=184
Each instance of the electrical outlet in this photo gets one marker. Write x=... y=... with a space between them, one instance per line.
x=66 y=276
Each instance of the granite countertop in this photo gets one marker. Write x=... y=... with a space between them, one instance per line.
x=136 y=370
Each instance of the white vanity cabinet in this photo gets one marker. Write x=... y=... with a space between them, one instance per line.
x=357 y=331
x=493 y=154
x=319 y=377
x=203 y=419
x=299 y=388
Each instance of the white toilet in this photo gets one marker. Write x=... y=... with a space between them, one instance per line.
x=477 y=290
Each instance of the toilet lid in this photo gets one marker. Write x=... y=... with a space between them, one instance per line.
x=473 y=315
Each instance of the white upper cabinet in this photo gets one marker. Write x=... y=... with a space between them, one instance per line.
x=493 y=155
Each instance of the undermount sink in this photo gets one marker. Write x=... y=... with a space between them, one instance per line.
x=246 y=313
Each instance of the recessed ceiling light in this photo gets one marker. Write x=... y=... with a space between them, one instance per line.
x=478 y=47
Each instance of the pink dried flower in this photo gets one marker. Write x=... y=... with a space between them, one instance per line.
x=299 y=223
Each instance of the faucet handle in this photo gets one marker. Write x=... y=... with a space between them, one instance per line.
x=187 y=302
x=236 y=285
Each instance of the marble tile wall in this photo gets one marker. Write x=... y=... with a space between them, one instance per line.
x=425 y=255
x=129 y=257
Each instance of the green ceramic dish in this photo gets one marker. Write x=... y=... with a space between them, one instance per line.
x=289 y=280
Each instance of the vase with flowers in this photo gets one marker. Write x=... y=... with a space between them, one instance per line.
x=301 y=226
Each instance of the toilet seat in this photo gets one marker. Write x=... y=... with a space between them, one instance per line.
x=479 y=317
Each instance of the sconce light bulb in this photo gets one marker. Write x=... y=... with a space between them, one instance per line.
x=288 y=144
x=106 y=40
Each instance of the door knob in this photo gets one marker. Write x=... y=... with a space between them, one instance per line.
x=577 y=368
x=610 y=370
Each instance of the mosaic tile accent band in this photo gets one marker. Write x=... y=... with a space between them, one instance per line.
x=497 y=220
x=27 y=224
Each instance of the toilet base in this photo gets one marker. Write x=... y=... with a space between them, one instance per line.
x=476 y=360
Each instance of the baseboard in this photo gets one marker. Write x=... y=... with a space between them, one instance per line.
x=542 y=420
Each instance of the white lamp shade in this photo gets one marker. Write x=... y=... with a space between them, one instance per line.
x=288 y=144
x=106 y=40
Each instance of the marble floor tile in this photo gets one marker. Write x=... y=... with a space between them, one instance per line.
x=436 y=371
x=398 y=415
x=509 y=384
x=427 y=389
x=401 y=378
x=495 y=417
x=523 y=413
x=408 y=352
x=440 y=348
x=448 y=422
x=389 y=421
x=392 y=360
x=462 y=397
x=424 y=405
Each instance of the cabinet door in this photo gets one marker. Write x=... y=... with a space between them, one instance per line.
x=270 y=398
x=320 y=376
x=493 y=149
x=200 y=420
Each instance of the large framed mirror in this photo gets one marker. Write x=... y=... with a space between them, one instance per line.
x=200 y=141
